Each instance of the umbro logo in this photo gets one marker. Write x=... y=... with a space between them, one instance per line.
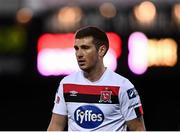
x=73 y=93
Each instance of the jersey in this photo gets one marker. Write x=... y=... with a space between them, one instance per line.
x=104 y=105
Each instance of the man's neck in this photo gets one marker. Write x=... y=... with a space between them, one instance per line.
x=95 y=74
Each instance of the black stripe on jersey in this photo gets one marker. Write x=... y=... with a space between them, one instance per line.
x=85 y=98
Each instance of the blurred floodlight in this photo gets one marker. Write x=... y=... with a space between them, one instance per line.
x=57 y=61
x=13 y=39
x=176 y=12
x=144 y=52
x=162 y=52
x=145 y=13
x=137 y=58
x=24 y=15
x=108 y=10
x=69 y=17
x=56 y=55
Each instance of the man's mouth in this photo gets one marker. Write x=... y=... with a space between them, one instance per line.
x=81 y=62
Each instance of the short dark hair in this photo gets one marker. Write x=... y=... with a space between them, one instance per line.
x=99 y=36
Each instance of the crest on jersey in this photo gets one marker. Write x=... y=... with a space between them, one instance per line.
x=105 y=96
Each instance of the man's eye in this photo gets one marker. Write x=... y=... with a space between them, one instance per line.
x=85 y=47
x=76 y=48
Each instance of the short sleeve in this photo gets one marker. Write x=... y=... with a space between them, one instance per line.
x=59 y=102
x=130 y=103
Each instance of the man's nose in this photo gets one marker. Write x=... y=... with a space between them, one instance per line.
x=79 y=53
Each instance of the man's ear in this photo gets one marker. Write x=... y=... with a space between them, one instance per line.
x=102 y=50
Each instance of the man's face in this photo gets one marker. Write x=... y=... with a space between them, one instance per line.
x=86 y=53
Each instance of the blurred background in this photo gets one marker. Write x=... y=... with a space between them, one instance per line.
x=36 y=39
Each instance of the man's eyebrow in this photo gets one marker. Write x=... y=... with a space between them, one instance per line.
x=83 y=45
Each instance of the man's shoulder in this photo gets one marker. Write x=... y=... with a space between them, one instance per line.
x=121 y=80
x=72 y=77
x=116 y=76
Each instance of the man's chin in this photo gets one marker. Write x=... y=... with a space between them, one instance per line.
x=84 y=68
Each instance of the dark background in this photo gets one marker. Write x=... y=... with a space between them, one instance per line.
x=26 y=97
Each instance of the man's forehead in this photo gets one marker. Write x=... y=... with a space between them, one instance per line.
x=84 y=40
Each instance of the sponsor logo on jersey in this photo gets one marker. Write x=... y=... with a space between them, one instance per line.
x=105 y=96
x=132 y=93
x=88 y=116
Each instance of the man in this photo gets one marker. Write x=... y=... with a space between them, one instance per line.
x=95 y=98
